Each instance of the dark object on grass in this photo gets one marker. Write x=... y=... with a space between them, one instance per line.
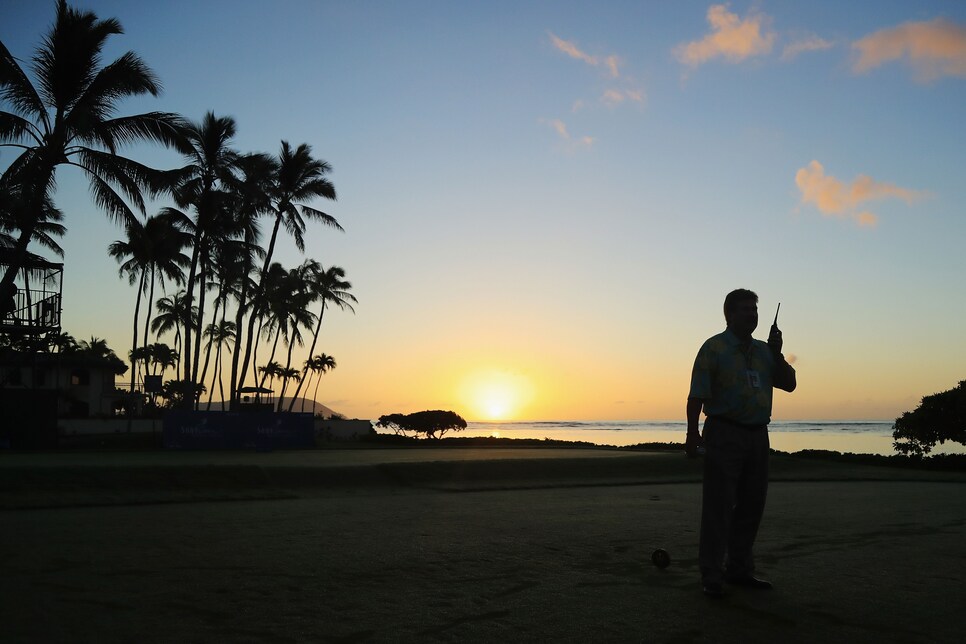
x=661 y=558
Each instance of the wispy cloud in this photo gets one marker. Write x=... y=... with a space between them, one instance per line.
x=804 y=45
x=731 y=38
x=614 y=97
x=837 y=198
x=564 y=135
x=560 y=128
x=933 y=49
x=631 y=91
x=610 y=63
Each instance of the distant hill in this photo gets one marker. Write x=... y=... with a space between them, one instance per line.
x=311 y=406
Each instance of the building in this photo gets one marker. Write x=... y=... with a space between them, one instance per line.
x=82 y=383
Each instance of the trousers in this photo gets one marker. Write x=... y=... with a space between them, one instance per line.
x=733 y=498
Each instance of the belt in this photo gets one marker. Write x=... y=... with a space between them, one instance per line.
x=745 y=426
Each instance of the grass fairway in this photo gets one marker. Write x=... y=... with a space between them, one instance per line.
x=520 y=546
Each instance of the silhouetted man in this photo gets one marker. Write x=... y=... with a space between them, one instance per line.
x=732 y=380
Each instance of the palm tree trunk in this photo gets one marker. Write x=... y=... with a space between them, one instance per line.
x=221 y=379
x=281 y=395
x=315 y=396
x=201 y=314
x=250 y=344
x=271 y=358
x=214 y=377
x=288 y=365
x=134 y=344
x=315 y=338
x=27 y=297
x=204 y=371
x=177 y=347
x=302 y=408
x=233 y=384
x=255 y=313
x=255 y=350
x=147 y=321
x=195 y=251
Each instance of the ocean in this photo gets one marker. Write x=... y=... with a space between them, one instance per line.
x=856 y=436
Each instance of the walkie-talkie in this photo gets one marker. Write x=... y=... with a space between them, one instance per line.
x=774 y=335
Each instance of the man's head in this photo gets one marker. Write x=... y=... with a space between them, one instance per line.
x=741 y=311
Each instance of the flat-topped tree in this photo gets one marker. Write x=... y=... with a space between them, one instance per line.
x=433 y=423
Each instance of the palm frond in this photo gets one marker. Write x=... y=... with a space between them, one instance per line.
x=165 y=128
x=324 y=219
x=115 y=172
x=16 y=128
x=108 y=200
x=17 y=90
x=64 y=64
x=317 y=187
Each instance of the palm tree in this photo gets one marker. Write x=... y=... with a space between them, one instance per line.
x=138 y=355
x=229 y=268
x=204 y=185
x=15 y=215
x=287 y=308
x=271 y=370
x=252 y=199
x=329 y=287
x=298 y=316
x=320 y=365
x=95 y=347
x=67 y=117
x=61 y=342
x=262 y=305
x=167 y=256
x=298 y=177
x=136 y=272
x=172 y=313
x=287 y=373
x=161 y=356
x=306 y=368
x=221 y=336
x=152 y=250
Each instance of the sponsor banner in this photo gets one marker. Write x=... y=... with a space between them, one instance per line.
x=237 y=430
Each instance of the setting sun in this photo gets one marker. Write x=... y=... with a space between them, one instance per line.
x=495 y=394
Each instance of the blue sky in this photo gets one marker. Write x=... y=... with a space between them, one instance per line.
x=557 y=196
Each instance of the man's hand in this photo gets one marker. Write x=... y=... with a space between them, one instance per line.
x=693 y=444
x=693 y=440
x=775 y=340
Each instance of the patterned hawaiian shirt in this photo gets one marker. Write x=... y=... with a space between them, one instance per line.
x=735 y=382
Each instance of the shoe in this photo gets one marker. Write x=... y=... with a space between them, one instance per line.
x=714 y=589
x=749 y=581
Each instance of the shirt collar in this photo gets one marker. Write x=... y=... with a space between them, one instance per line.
x=733 y=339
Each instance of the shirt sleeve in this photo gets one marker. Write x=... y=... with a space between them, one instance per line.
x=701 y=374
